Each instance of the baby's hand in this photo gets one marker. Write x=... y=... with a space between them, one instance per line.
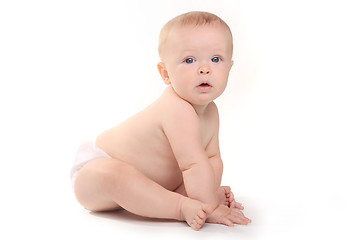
x=227 y=216
x=226 y=197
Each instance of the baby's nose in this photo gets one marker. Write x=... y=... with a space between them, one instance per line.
x=204 y=70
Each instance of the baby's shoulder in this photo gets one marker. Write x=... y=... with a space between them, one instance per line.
x=176 y=110
x=212 y=113
x=212 y=109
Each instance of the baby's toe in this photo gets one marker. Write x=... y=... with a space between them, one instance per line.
x=195 y=225
x=199 y=220
x=201 y=215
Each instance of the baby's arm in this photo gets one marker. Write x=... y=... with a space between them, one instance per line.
x=213 y=150
x=182 y=128
x=224 y=194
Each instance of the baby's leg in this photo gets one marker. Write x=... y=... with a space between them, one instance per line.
x=106 y=184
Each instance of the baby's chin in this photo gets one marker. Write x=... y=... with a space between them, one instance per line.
x=201 y=100
x=198 y=98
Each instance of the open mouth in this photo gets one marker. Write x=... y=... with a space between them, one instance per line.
x=204 y=85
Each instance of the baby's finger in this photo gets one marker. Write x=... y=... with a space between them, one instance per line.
x=239 y=214
x=245 y=221
x=231 y=197
x=242 y=220
x=227 y=189
x=238 y=205
x=227 y=222
x=232 y=204
x=237 y=219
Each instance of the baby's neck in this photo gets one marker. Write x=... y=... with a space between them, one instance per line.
x=200 y=110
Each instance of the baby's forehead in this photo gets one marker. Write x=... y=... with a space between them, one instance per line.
x=200 y=33
x=176 y=30
x=182 y=31
x=191 y=27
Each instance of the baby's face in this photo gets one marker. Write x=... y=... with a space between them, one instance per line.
x=198 y=60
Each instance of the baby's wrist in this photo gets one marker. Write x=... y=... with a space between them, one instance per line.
x=214 y=205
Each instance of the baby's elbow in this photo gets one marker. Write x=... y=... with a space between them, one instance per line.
x=188 y=167
x=201 y=166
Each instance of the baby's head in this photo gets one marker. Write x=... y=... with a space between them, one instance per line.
x=196 y=53
x=190 y=19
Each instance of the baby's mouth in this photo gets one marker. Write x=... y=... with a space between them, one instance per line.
x=204 y=87
x=204 y=84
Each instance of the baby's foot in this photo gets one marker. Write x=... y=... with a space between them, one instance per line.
x=194 y=212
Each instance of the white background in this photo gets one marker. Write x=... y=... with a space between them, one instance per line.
x=290 y=135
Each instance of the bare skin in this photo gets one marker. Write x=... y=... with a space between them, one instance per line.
x=161 y=156
x=226 y=197
x=109 y=184
x=152 y=177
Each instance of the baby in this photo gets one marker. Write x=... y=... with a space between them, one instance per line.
x=165 y=162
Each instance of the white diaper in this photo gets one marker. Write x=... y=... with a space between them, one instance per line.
x=87 y=151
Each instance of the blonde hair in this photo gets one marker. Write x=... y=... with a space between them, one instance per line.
x=195 y=18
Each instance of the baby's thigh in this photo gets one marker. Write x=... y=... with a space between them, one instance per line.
x=92 y=184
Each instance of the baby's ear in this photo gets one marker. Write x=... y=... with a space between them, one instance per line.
x=164 y=73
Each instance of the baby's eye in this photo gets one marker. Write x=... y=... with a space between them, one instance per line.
x=215 y=59
x=189 y=60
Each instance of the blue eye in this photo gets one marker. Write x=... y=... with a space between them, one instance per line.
x=215 y=59
x=189 y=60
